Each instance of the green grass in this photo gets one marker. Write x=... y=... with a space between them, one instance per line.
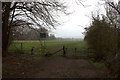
x=100 y=66
x=51 y=46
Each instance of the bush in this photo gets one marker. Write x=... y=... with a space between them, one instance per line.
x=112 y=64
x=102 y=38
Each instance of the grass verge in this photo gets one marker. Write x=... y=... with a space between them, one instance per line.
x=100 y=66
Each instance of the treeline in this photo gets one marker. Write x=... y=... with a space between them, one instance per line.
x=31 y=34
x=103 y=37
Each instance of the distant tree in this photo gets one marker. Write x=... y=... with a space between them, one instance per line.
x=52 y=37
x=32 y=35
x=29 y=34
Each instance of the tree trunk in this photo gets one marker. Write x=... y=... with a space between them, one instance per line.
x=5 y=28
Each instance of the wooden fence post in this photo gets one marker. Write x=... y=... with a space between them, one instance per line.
x=32 y=51
x=64 y=51
x=75 y=51
x=21 y=46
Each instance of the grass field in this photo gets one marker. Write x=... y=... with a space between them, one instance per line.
x=51 y=46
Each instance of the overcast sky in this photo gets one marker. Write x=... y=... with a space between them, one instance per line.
x=74 y=24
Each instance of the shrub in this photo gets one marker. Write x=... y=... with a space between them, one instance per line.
x=102 y=38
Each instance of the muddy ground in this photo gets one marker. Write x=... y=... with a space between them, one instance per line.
x=56 y=66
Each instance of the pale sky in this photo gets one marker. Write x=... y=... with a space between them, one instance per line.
x=74 y=24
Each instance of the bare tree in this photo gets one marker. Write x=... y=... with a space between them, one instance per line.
x=112 y=13
x=31 y=14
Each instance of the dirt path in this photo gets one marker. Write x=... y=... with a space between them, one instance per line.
x=66 y=67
